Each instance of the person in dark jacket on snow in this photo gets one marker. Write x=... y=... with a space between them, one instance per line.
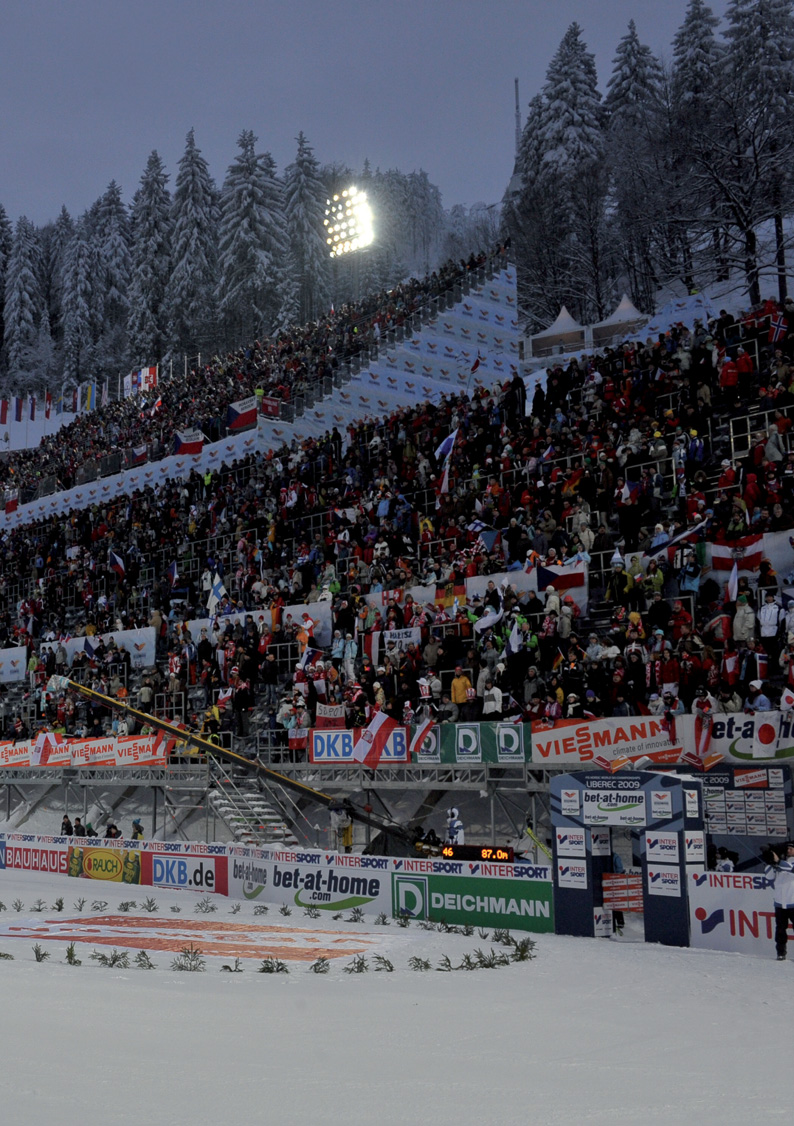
x=780 y=870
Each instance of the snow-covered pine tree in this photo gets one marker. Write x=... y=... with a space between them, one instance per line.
x=637 y=183
x=251 y=244
x=758 y=70
x=696 y=59
x=147 y=322
x=79 y=303
x=572 y=144
x=423 y=204
x=634 y=87
x=304 y=206
x=6 y=240
x=194 y=274
x=571 y=136
x=58 y=248
x=113 y=240
x=23 y=305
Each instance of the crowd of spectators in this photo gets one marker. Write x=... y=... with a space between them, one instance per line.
x=617 y=456
x=282 y=367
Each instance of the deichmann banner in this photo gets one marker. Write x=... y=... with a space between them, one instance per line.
x=503 y=743
x=523 y=904
x=738 y=738
x=129 y=750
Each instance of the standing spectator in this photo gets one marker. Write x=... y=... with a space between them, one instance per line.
x=781 y=872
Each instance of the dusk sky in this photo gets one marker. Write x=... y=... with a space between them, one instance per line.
x=90 y=87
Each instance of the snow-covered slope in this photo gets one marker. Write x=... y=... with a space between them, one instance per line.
x=590 y=1031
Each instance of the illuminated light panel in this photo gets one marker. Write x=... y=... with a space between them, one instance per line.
x=349 y=213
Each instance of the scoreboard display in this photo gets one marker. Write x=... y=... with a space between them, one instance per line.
x=502 y=854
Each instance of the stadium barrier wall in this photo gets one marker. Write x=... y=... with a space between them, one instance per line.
x=511 y=896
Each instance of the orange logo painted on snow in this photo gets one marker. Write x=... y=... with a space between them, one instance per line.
x=225 y=939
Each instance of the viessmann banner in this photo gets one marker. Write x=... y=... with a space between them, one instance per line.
x=129 y=750
x=739 y=738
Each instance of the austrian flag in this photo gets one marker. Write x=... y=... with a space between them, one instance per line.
x=747 y=552
x=372 y=741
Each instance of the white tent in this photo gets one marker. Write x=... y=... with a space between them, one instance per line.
x=624 y=320
x=564 y=335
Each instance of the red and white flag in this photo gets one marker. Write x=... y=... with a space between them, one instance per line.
x=746 y=553
x=372 y=740
x=421 y=733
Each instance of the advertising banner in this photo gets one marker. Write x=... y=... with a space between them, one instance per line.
x=336 y=746
x=130 y=750
x=13 y=663
x=307 y=879
x=120 y=866
x=732 y=911
x=613 y=807
x=520 y=904
x=28 y=853
x=189 y=871
x=139 y=643
x=505 y=743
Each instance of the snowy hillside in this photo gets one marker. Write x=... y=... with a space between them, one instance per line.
x=589 y=1031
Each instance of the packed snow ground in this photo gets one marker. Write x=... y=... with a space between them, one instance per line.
x=590 y=1031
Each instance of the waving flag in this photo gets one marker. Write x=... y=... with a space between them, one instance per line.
x=18 y=408
x=242 y=414
x=447 y=445
x=420 y=734
x=188 y=442
x=563 y=578
x=746 y=553
x=139 y=455
x=778 y=327
x=173 y=574
x=116 y=564
x=47 y=405
x=216 y=593
x=90 y=396
x=372 y=741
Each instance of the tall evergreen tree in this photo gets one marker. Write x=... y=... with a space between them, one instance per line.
x=23 y=305
x=635 y=83
x=252 y=242
x=6 y=241
x=113 y=239
x=194 y=275
x=80 y=329
x=696 y=58
x=304 y=207
x=570 y=134
x=147 y=322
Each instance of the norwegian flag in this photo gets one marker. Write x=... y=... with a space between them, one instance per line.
x=778 y=327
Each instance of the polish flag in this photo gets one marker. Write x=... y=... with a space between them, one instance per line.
x=371 y=742
x=746 y=552
x=421 y=733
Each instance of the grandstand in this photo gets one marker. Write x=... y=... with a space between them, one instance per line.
x=601 y=540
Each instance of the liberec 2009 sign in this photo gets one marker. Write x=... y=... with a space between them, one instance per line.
x=460 y=743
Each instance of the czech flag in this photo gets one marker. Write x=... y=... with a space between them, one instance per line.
x=116 y=563
x=242 y=415
x=188 y=442
x=173 y=574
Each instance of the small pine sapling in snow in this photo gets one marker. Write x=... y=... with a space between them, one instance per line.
x=383 y=964
x=321 y=966
x=40 y=954
x=419 y=964
x=190 y=959
x=143 y=961
x=71 y=956
x=357 y=966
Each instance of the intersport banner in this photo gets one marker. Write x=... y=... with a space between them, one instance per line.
x=738 y=738
x=129 y=750
x=732 y=911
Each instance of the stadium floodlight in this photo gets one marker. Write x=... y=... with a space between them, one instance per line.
x=348 y=222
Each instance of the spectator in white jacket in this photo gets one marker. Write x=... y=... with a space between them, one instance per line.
x=744 y=620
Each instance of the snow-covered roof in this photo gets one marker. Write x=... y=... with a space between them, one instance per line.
x=626 y=313
x=564 y=323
